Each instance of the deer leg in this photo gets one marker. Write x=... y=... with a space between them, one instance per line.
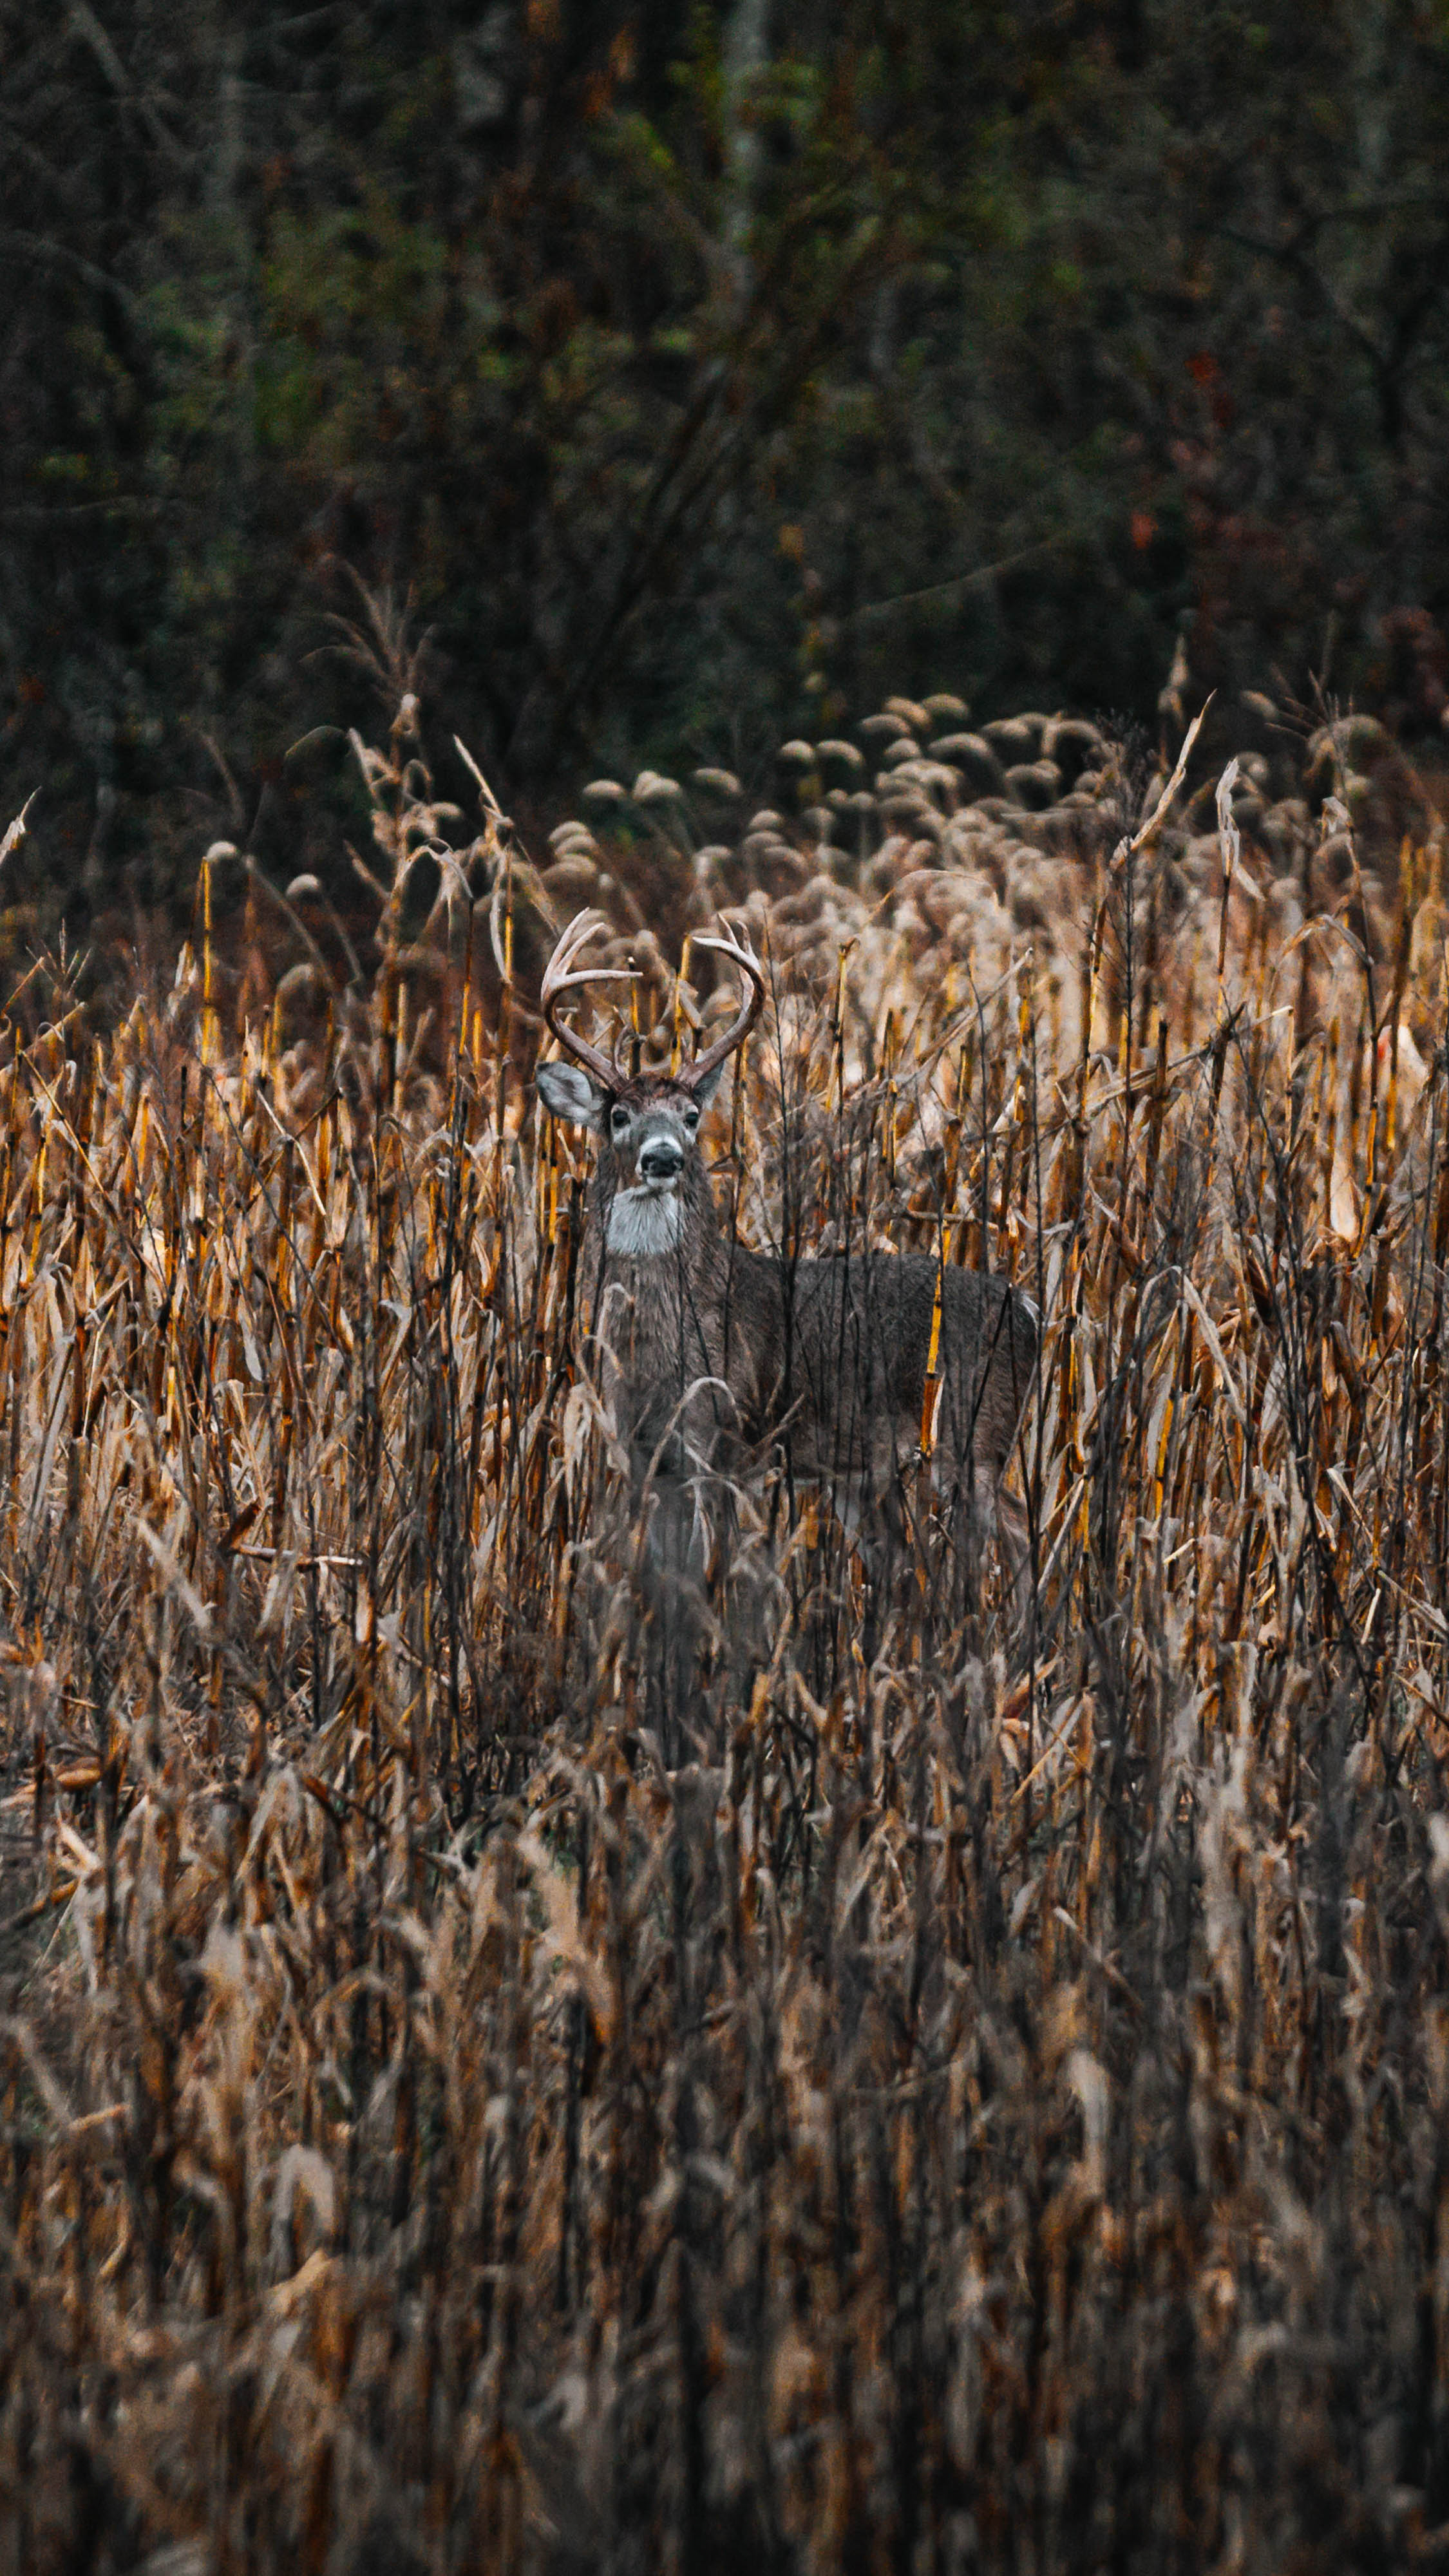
x=870 y=1513
x=1013 y=1533
x=676 y=1561
x=968 y=1503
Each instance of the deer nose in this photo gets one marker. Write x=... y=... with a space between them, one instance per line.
x=662 y=1159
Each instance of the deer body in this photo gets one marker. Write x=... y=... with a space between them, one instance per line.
x=709 y=1349
x=856 y=1341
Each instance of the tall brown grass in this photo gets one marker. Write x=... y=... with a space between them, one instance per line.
x=984 y=2108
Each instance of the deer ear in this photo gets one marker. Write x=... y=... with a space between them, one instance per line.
x=703 y=1092
x=570 y=1093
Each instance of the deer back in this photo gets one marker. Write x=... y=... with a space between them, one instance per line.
x=855 y=1342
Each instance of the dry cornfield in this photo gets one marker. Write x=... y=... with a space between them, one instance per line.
x=982 y=2107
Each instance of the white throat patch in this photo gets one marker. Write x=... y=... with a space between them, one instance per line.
x=645 y=1221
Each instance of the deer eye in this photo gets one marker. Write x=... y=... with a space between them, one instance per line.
x=619 y=1122
x=691 y=1119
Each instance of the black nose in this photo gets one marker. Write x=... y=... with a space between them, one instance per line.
x=661 y=1159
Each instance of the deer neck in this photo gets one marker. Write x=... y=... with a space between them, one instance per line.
x=642 y=1225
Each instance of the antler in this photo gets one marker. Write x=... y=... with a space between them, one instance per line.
x=740 y=954
x=562 y=975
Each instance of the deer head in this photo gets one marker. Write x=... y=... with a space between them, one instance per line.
x=650 y=1176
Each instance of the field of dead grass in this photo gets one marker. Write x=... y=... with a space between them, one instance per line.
x=981 y=2110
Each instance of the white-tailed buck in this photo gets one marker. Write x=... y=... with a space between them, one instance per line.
x=709 y=1349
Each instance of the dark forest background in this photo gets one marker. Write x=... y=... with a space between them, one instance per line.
x=691 y=376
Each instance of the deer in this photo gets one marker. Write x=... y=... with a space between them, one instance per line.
x=712 y=1351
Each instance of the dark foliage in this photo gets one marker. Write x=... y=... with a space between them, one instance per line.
x=700 y=371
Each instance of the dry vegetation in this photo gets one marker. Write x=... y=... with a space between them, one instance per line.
x=983 y=2110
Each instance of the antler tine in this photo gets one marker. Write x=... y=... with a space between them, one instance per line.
x=741 y=954
x=561 y=976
